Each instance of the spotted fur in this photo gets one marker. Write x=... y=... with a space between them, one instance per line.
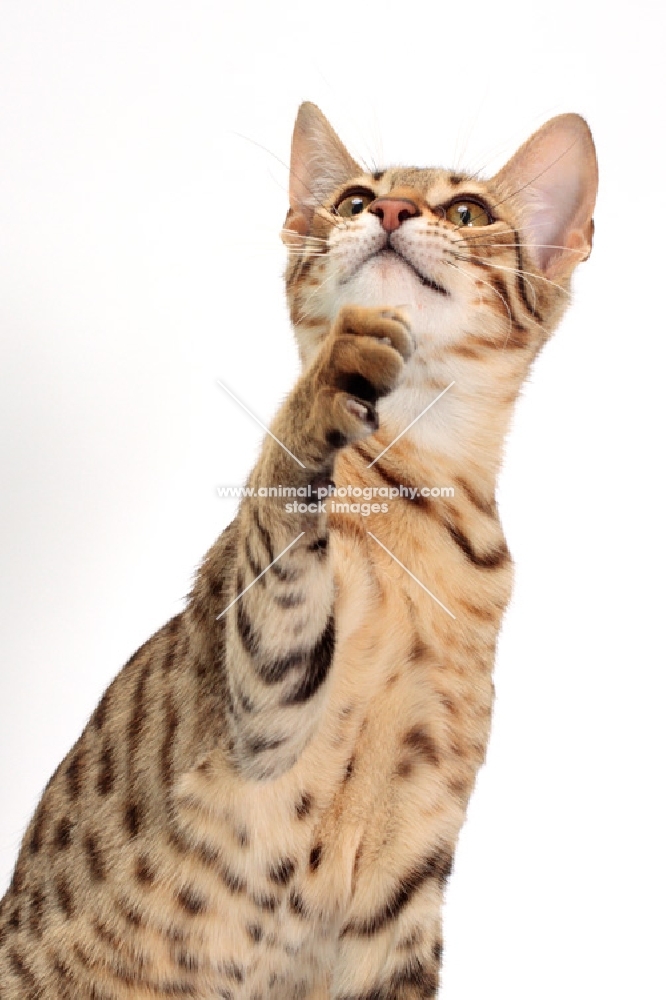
x=267 y=800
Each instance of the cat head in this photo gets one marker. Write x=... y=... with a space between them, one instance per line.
x=473 y=260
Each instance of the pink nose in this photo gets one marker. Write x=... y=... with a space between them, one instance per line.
x=392 y=212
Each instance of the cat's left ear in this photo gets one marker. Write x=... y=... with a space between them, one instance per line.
x=319 y=164
x=552 y=181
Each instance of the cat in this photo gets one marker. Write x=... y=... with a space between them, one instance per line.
x=267 y=799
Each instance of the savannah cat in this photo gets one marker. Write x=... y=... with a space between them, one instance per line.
x=267 y=799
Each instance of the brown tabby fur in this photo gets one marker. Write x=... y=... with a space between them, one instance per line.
x=266 y=804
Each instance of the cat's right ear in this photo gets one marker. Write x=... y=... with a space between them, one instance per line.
x=319 y=164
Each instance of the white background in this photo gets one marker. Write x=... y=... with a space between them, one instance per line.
x=139 y=261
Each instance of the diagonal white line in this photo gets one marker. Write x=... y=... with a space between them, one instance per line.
x=410 y=425
x=414 y=578
x=255 y=418
x=238 y=596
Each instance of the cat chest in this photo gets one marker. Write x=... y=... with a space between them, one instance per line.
x=311 y=859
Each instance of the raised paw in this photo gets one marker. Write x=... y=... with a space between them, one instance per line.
x=390 y=326
x=361 y=360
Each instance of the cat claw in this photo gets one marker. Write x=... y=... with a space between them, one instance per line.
x=397 y=314
x=358 y=409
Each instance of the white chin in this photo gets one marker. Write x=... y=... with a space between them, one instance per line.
x=384 y=280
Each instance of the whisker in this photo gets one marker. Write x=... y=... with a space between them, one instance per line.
x=305 y=245
x=251 y=248
x=293 y=234
x=525 y=274
x=306 y=251
x=512 y=270
x=479 y=242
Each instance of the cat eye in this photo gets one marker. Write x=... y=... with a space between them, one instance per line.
x=467 y=213
x=354 y=202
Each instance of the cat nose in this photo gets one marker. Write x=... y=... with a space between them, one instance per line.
x=392 y=212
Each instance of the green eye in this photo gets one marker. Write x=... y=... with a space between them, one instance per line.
x=467 y=213
x=354 y=203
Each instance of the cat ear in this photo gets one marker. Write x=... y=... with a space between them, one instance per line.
x=319 y=164
x=552 y=180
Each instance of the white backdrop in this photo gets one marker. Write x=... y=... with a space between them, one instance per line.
x=139 y=261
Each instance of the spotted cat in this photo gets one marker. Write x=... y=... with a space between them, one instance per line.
x=266 y=801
